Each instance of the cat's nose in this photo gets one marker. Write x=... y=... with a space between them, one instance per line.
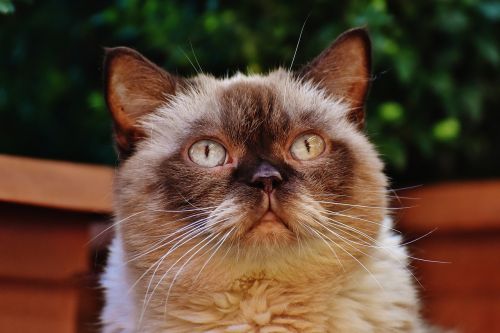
x=266 y=177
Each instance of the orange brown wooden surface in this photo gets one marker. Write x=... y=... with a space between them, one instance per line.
x=27 y=307
x=37 y=243
x=44 y=256
x=453 y=207
x=55 y=184
x=46 y=209
x=463 y=293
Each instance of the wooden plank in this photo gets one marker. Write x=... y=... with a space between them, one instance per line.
x=452 y=207
x=473 y=266
x=464 y=293
x=63 y=185
x=30 y=308
x=467 y=314
x=43 y=244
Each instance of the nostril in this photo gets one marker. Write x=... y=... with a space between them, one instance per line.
x=267 y=184
x=265 y=177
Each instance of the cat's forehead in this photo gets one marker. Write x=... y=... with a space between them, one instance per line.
x=250 y=110
x=259 y=106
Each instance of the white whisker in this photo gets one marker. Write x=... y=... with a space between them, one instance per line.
x=298 y=43
x=148 y=299
x=363 y=206
x=321 y=236
x=114 y=225
x=359 y=262
x=221 y=241
x=328 y=212
x=183 y=265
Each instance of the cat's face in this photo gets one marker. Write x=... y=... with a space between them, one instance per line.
x=255 y=163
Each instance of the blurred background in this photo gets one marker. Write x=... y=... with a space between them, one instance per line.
x=433 y=109
x=433 y=113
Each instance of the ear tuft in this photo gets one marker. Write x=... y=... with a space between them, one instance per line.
x=134 y=87
x=343 y=70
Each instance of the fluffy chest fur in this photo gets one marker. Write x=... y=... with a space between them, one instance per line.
x=377 y=298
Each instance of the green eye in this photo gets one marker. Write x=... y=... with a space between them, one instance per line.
x=207 y=153
x=307 y=146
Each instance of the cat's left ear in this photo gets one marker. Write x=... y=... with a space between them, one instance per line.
x=134 y=87
x=343 y=70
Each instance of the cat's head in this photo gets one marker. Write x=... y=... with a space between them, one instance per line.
x=261 y=163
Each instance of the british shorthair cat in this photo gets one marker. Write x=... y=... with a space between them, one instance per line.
x=253 y=203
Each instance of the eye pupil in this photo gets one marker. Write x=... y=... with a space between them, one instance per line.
x=207 y=153
x=308 y=145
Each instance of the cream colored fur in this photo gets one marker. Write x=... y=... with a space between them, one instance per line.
x=382 y=301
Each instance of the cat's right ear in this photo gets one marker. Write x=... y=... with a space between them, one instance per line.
x=343 y=71
x=134 y=87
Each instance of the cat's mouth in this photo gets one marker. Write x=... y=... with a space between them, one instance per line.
x=269 y=223
x=269 y=226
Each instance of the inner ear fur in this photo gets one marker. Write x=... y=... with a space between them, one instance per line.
x=343 y=70
x=134 y=87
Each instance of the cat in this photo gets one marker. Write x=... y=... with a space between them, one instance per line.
x=253 y=203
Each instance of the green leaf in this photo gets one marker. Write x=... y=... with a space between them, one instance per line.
x=490 y=10
x=472 y=102
x=95 y=100
x=489 y=50
x=379 y=5
x=6 y=7
x=211 y=22
x=446 y=130
x=391 y=112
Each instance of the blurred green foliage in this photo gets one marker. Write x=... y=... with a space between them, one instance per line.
x=433 y=110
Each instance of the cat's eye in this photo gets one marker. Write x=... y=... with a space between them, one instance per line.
x=307 y=146
x=207 y=153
